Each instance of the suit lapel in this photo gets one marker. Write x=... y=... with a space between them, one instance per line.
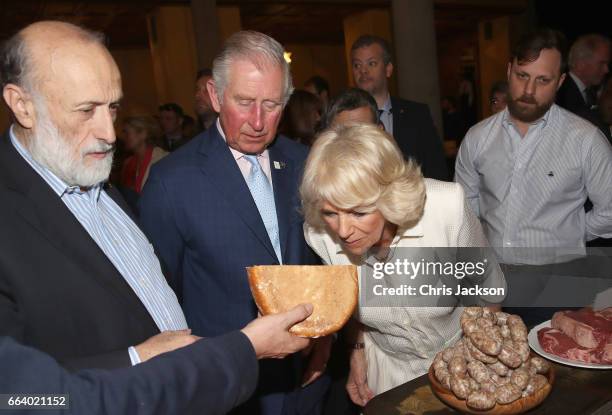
x=221 y=167
x=398 y=113
x=283 y=173
x=44 y=211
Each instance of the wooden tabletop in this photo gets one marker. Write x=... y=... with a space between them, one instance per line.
x=575 y=391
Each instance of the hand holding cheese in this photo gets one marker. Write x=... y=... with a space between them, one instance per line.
x=270 y=337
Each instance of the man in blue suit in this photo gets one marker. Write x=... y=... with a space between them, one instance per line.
x=228 y=200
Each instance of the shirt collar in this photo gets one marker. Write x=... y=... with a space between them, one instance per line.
x=57 y=185
x=238 y=154
x=387 y=105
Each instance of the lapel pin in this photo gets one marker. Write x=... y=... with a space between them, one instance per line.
x=278 y=165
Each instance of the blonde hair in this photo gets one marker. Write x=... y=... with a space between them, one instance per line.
x=359 y=167
x=147 y=124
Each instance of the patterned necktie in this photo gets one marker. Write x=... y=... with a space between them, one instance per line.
x=261 y=190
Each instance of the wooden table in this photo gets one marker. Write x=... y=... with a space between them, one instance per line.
x=575 y=391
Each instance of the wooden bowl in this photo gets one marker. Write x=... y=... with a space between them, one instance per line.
x=517 y=407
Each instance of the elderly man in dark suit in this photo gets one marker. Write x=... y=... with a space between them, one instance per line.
x=78 y=279
x=228 y=200
x=588 y=61
x=409 y=122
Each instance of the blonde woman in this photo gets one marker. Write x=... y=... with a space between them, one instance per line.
x=361 y=200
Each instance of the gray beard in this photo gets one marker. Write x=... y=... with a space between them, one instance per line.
x=51 y=149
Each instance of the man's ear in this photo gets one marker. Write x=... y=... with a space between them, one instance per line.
x=214 y=98
x=389 y=70
x=21 y=105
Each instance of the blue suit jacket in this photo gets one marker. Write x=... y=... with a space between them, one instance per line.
x=200 y=215
x=210 y=376
x=204 y=224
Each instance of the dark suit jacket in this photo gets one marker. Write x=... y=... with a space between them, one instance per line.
x=199 y=213
x=208 y=377
x=416 y=135
x=58 y=291
x=570 y=98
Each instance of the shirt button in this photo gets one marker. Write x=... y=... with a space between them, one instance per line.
x=508 y=243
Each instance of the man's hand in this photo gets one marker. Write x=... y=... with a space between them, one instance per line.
x=164 y=342
x=270 y=337
x=357 y=382
x=319 y=355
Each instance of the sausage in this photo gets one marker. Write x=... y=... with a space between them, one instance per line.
x=443 y=377
x=478 y=371
x=468 y=326
x=439 y=363
x=485 y=343
x=501 y=317
x=500 y=380
x=505 y=331
x=472 y=312
x=528 y=391
x=490 y=315
x=514 y=319
x=447 y=354
x=507 y=393
x=499 y=368
x=520 y=378
x=459 y=349
x=509 y=357
x=460 y=387
x=538 y=381
x=494 y=333
x=437 y=358
x=488 y=386
x=528 y=367
x=523 y=350
x=518 y=330
x=509 y=344
x=541 y=365
x=483 y=322
x=477 y=354
x=481 y=400
x=466 y=354
x=473 y=384
x=457 y=366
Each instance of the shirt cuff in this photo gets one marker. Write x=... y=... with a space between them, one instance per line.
x=133 y=355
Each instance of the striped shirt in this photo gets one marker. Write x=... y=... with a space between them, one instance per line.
x=122 y=242
x=530 y=191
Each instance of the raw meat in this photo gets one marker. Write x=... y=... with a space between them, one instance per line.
x=584 y=335
x=587 y=328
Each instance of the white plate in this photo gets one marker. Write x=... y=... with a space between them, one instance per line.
x=535 y=345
